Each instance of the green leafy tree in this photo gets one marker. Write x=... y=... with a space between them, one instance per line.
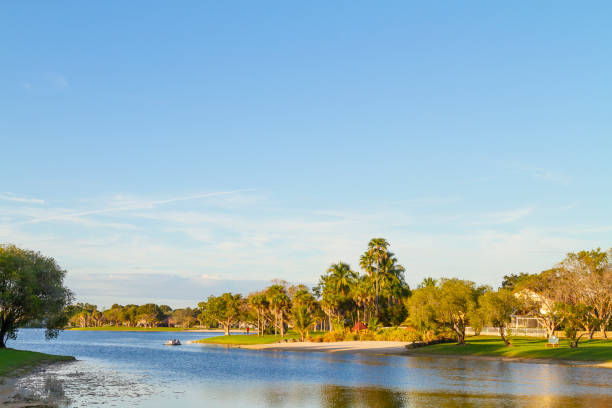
x=422 y=311
x=457 y=299
x=511 y=281
x=225 y=309
x=588 y=280
x=573 y=317
x=185 y=317
x=539 y=295
x=31 y=289
x=149 y=315
x=498 y=308
x=443 y=307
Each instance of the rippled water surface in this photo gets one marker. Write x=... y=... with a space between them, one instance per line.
x=124 y=369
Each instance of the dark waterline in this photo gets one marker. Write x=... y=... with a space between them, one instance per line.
x=135 y=368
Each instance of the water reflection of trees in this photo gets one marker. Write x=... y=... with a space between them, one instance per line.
x=376 y=397
x=336 y=396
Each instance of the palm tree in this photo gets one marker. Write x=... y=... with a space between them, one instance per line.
x=428 y=282
x=392 y=284
x=341 y=278
x=279 y=304
x=334 y=288
x=260 y=303
x=302 y=320
x=371 y=262
x=329 y=304
x=362 y=295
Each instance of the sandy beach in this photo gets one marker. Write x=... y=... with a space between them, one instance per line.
x=370 y=347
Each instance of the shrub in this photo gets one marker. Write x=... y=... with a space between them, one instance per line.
x=397 y=334
x=334 y=336
x=367 y=336
x=351 y=337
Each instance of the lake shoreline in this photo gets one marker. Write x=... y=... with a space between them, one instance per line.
x=8 y=396
x=399 y=348
x=366 y=347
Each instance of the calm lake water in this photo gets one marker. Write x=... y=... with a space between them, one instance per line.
x=124 y=369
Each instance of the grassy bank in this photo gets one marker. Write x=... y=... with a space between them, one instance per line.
x=12 y=360
x=125 y=328
x=523 y=347
x=239 y=340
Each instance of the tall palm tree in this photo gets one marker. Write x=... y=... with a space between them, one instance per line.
x=371 y=262
x=279 y=305
x=392 y=284
x=259 y=302
x=362 y=295
x=341 y=278
x=329 y=304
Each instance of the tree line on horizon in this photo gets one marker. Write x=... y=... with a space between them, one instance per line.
x=574 y=296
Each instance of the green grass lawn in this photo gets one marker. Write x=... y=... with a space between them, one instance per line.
x=11 y=360
x=250 y=339
x=523 y=347
x=125 y=328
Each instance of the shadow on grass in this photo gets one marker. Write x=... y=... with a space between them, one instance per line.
x=524 y=347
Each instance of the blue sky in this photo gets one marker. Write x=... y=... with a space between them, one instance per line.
x=163 y=152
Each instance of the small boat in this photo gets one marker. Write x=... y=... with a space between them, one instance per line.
x=173 y=342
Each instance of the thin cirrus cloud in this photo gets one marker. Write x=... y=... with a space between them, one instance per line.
x=20 y=199
x=130 y=207
x=215 y=248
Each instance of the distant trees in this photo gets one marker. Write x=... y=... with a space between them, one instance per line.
x=186 y=317
x=31 y=290
x=574 y=296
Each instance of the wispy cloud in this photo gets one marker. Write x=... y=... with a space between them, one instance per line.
x=503 y=217
x=20 y=199
x=211 y=245
x=131 y=207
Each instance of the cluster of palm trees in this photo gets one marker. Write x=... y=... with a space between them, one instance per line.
x=376 y=295
x=341 y=298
